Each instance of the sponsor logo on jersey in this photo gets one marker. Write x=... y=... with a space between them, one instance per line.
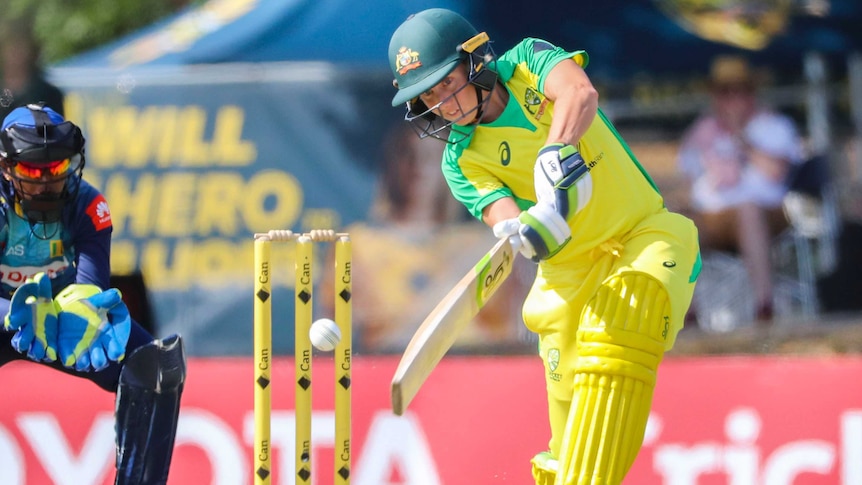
x=535 y=103
x=15 y=276
x=541 y=111
x=505 y=153
x=99 y=213
x=15 y=250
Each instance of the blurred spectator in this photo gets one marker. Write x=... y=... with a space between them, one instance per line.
x=737 y=156
x=415 y=246
x=23 y=81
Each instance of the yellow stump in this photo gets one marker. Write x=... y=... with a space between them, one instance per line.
x=343 y=350
x=302 y=367
x=303 y=352
x=262 y=354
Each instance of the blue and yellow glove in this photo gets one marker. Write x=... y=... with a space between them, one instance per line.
x=33 y=317
x=94 y=327
x=562 y=179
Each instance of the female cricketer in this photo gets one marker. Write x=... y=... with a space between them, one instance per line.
x=55 y=240
x=530 y=154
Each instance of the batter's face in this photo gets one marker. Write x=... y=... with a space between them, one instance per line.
x=449 y=100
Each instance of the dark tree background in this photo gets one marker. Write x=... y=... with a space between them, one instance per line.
x=67 y=27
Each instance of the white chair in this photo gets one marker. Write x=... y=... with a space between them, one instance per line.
x=804 y=252
x=807 y=250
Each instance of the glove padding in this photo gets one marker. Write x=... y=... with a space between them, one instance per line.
x=94 y=327
x=538 y=233
x=33 y=317
x=562 y=179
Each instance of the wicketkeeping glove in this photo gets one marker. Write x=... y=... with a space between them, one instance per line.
x=33 y=317
x=94 y=327
x=538 y=232
x=562 y=179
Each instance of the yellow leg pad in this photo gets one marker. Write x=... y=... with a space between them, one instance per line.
x=620 y=345
x=544 y=468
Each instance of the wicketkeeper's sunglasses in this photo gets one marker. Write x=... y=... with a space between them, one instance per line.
x=37 y=171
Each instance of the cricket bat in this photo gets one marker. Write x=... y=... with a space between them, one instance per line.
x=438 y=332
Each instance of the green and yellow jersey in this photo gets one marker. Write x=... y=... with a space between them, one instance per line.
x=497 y=159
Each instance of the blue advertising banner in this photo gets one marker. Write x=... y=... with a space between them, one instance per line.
x=195 y=160
x=192 y=171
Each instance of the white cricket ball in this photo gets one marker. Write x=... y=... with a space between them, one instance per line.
x=324 y=334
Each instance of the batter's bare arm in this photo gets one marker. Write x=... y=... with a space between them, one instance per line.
x=575 y=99
x=499 y=210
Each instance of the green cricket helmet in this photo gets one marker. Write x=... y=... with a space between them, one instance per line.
x=424 y=50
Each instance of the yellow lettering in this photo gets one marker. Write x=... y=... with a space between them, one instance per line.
x=228 y=144
x=220 y=196
x=215 y=260
x=115 y=128
x=274 y=199
x=73 y=105
x=124 y=257
x=166 y=136
x=179 y=204
x=174 y=209
x=94 y=176
x=194 y=151
x=165 y=146
x=214 y=263
x=131 y=205
x=146 y=133
x=170 y=271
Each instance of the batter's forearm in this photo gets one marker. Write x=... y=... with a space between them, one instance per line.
x=576 y=103
x=500 y=210
x=579 y=109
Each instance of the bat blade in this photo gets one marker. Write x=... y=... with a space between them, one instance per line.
x=438 y=332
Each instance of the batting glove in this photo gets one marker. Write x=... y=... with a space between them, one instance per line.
x=94 y=327
x=538 y=233
x=562 y=179
x=33 y=317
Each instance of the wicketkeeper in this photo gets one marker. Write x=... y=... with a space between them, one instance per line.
x=530 y=154
x=55 y=237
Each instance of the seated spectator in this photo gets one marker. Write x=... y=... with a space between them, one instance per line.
x=737 y=156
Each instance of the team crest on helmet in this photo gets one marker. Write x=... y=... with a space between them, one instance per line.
x=406 y=60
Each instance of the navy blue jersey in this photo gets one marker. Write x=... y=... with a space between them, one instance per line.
x=77 y=252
